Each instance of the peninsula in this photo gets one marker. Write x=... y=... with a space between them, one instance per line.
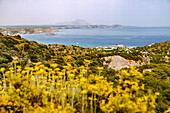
x=35 y=29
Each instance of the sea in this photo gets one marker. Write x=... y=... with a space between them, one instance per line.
x=95 y=37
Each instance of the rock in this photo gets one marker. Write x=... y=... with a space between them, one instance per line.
x=147 y=70
x=117 y=62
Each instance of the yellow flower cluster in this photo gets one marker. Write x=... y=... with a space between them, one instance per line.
x=127 y=96
x=69 y=89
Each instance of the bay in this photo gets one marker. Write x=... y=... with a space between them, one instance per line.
x=94 y=37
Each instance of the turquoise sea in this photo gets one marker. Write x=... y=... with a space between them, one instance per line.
x=138 y=36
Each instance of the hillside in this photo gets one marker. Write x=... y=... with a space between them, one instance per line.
x=74 y=67
x=159 y=52
x=25 y=51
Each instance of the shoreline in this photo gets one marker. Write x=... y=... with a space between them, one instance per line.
x=101 y=37
x=86 y=45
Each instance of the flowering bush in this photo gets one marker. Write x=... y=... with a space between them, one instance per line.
x=71 y=89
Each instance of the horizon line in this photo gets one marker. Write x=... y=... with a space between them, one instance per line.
x=74 y=25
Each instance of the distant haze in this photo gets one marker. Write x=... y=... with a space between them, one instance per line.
x=125 y=12
x=76 y=22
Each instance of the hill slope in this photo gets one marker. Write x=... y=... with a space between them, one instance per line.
x=17 y=48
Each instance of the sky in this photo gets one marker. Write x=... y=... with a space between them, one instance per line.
x=149 y=13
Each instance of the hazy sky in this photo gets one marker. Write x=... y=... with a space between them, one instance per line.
x=125 y=12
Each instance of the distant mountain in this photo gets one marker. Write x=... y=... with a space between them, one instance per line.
x=76 y=22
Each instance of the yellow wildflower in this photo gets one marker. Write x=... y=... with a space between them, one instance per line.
x=15 y=61
x=2 y=69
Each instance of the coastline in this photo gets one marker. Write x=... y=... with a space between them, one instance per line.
x=102 y=37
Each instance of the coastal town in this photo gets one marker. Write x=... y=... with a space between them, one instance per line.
x=19 y=30
x=112 y=47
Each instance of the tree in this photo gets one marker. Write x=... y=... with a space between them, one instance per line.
x=34 y=58
x=1 y=34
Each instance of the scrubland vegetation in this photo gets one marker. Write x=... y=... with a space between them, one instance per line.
x=70 y=89
x=60 y=78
